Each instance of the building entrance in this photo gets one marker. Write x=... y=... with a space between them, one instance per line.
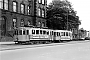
x=2 y=26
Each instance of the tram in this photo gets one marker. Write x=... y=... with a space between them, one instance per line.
x=39 y=35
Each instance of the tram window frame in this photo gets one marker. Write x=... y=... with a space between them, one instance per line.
x=27 y=32
x=59 y=33
x=52 y=33
x=44 y=32
x=33 y=31
x=41 y=32
x=47 y=32
x=64 y=33
x=20 y=32
x=37 y=31
x=67 y=34
x=70 y=34
x=24 y=33
x=16 y=32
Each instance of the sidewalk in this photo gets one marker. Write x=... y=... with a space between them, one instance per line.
x=7 y=43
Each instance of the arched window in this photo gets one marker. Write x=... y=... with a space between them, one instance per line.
x=43 y=24
x=39 y=24
x=43 y=1
x=22 y=22
x=4 y=4
x=2 y=22
x=39 y=12
x=29 y=23
x=14 y=23
x=1 y=4
x=39 y=1
x=29 y=11
x=43 y=13
x=15 y=6
x=22 y=8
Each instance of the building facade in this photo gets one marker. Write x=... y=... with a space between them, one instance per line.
x=75 y=28
x=41 y=13
x=20 y=13
x=82 y=33
x=88 y=34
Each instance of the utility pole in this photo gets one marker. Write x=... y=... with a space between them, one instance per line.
x=67 y=19
x=34 y=18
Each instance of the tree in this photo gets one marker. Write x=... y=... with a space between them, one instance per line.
x=57 y=13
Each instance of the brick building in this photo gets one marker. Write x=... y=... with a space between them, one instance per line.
x=18 y=13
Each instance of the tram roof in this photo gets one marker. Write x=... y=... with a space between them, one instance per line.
x=27 y=28
x=33 y=28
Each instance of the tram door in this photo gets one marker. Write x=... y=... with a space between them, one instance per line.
x=3 y=26
x=16 y=35
x=54 y=35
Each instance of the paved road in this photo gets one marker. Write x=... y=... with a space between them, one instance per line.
x=66 y=51
x=13 y=46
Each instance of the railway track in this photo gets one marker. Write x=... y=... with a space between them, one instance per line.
x=15 y=46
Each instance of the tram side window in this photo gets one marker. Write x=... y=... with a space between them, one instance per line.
x=62 y=33
x=44 y=32
x=47 y=32
x=27 y=32
x=70 y=34
x=52 y=32
x=59 y=33
x=24 y=32
x=20 y=32
x=37 y=31
x=40 y=31
x=16 y=32
x=66 y=33
x=33 y=31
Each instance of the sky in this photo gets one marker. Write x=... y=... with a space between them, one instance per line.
x=83 y=11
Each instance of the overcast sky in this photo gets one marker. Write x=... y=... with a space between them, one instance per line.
x=83 y=11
